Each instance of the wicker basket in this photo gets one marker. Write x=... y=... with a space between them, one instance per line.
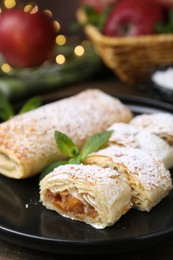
x=131 y=58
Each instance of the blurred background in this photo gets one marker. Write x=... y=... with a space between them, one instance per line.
x=81 y=55
x=73 y=52
x=64 y=11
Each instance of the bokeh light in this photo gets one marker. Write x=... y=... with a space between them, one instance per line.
x=60 y=39
x=6 y=68
x=79 y=50
x=60 y=59
x=9 y=3
x=57 y=25
x=48 y=12
x=31 y=8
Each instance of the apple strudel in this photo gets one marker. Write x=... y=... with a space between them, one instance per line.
x=27 y=142
x=160 y=124
x=128 y=135
x=88 y=193
x=148 y=178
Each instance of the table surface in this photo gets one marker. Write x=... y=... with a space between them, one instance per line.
x=164 y=250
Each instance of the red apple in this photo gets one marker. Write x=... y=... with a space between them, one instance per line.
x=133 y=17
x=164 y=3
x=27 y=39
x=98 y=5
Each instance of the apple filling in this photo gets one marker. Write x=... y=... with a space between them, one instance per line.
x=66 y=202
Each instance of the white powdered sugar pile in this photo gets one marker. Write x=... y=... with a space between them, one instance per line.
x=164 y=78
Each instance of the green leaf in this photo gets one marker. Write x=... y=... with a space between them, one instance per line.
x=94 y=143
x=166 y=27
x=50 y=168
x=65 y=144
x=31 y=104
x=75 y=160
x=6 y=110
x=95 y=18
x=102 y=18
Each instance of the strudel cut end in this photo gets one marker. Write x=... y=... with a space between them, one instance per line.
x=160 y=124
x=87 y=193
x=148 y=178
x=128 y=135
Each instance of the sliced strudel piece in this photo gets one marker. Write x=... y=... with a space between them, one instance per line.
x=123 y=134
x=88 y=193
x=148 y=178
x=128 y=135
x=27 y=142
x=160 y=124
x=157 y=146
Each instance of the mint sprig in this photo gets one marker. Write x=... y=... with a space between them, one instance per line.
x=70 y=149
x=94 y=143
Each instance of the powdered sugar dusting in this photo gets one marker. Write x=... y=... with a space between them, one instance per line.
x=157 y=123
x=157 y=146
x=31 y=135
x=89 y=173
x=128 y=135
x=123 y=134
x=107 y=181
x=95 y=187
x=150 y=172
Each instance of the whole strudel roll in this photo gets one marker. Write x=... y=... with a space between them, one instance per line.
x=88 y=193
x=27 y=142
x=148 y=178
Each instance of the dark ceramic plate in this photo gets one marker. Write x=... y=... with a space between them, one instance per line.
x=24 y=221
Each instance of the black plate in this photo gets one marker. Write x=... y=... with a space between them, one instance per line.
x=24 y=221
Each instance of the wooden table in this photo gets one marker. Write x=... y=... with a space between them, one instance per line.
x=162 y=251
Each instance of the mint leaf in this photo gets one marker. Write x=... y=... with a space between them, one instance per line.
x=31 y=104
x=94 y=143
x=75 y=160
x=65 y=144
x=6 y=110
x=50 y=168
